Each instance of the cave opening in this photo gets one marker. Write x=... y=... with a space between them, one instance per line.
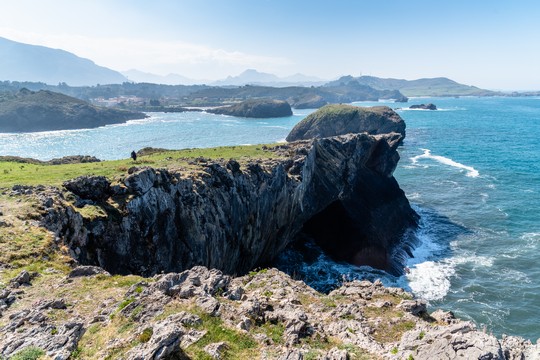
x=344 y=238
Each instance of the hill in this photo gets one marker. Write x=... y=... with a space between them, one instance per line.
x=24 y=62
x=29 y=111
x=440 y=86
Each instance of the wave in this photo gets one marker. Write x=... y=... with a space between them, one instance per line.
x=471 y=172
x=275 y=127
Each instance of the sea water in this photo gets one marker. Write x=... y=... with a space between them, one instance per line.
x=471 y=170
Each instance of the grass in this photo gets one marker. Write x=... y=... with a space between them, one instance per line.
x=14 y=173
x=391 y=325
x=239 y=344
x=29 y=353
x=274 y=331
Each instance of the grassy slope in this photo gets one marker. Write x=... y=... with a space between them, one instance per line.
x=14 y=173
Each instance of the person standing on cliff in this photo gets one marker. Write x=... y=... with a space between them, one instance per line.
x=134 y=155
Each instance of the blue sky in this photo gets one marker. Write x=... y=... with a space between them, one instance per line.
x=491 y=44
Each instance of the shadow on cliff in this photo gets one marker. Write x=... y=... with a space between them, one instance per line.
x=321 y=265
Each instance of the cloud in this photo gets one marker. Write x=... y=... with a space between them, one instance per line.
x=121 y=53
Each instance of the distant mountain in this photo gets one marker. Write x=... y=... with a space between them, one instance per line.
x=24 y=62
x=254 y=77
x=170 y=79
x=28 y=111
x=440 y=86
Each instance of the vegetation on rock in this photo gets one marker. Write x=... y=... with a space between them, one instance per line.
x=332 y=120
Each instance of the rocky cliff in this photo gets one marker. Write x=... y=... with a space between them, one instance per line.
x=332 y=120
x=236 y=216
x=256 y=108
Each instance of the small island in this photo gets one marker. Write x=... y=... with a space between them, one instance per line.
x=333 y=120
x=429 y=106
x=256 y=108
x=31 y=111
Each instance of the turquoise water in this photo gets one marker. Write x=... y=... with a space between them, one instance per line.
x=471 y=169
x=160 y=130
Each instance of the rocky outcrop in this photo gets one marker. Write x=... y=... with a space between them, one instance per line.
x=333 y=120
x=429 y=106
x=256 y=108
x=234 y=217
x=202 y=312
x=45 y=110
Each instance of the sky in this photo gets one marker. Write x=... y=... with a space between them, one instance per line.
x=491 y=44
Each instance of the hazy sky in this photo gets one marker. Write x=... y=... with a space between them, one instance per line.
x=493 y=44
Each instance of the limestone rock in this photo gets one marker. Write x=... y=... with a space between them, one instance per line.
x=22 y=279
x=415 y=307
x=94 y=188
x=87 y=270
x=57 y=341
x=236 y=218
x=216 y=350
x=164 y=342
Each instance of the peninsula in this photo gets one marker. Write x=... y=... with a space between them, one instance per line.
x=29 y=111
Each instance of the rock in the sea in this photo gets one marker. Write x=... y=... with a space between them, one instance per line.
x=235 y=218
x=256 y=108
x=332 y=120
x=429 y=106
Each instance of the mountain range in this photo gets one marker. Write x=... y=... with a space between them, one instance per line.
x=24 y=62
x=32 y=63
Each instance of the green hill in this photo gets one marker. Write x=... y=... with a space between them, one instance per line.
x=440 y=86
x=28 y=111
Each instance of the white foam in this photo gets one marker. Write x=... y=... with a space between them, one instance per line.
x=430 y=280
x=471 y=172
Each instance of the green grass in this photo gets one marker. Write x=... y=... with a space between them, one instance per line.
x=29 y=353
x=14 y=173
x=240 y=345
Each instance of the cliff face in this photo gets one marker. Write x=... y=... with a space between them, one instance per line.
x=332 y=120
x=236 y=217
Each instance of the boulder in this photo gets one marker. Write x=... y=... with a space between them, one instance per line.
x=95 y=188
x=87 y=270
x=333 y=120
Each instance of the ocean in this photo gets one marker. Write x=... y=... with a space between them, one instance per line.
x=471 y=170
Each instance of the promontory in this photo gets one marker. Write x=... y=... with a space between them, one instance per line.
x=29 y=111
x=332 y=120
